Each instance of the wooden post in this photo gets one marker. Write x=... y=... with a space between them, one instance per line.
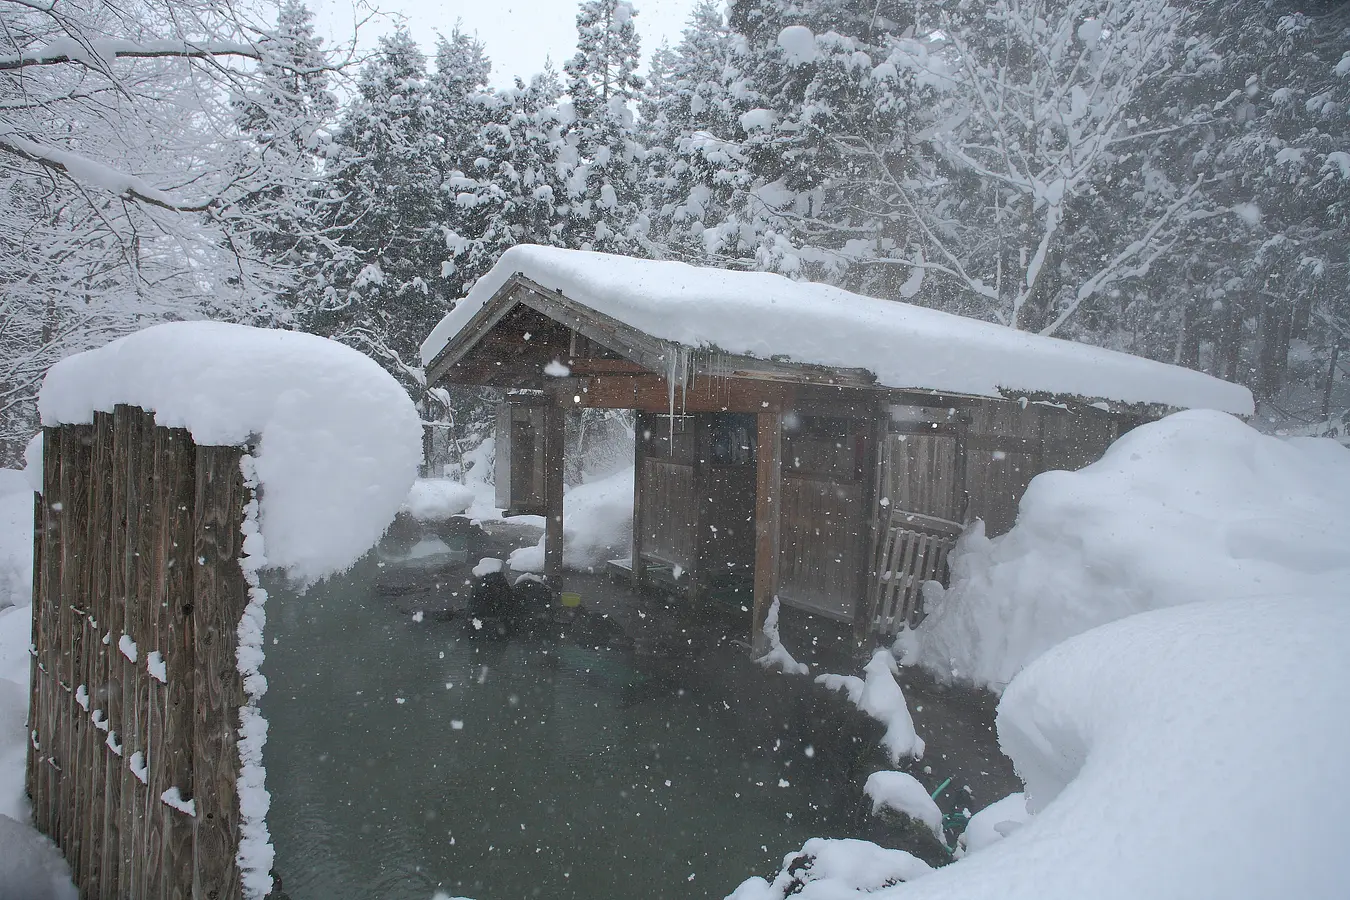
x=640 y=424
x=33 y=769
x=220 y=594
x=873 y=467
x=175 y=763
x=554 y=433
x=768 y=502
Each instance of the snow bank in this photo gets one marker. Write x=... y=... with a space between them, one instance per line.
x=597 y=523
x=436 y=499
x=878 y=694
x=31 y=868
x=1188 y=752
x=767 y=316
x=16 y=538
x=1195 y=506
x=338 y=439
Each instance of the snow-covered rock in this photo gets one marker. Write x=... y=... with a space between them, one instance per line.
x=903 y=793
x=1195 y=506
x=879 y=695
x=835 y=869
x=338 y=440
x=777 y=656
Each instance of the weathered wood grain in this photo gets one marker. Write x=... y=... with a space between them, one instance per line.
x=152 y=641
x=220 y=594
x=175 y=757
x=93 y=764
x=768 y=504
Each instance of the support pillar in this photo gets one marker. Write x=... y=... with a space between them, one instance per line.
x=553 y=494
x=768 y=506
x=640 y=424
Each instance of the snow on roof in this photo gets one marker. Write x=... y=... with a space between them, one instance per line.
x=340 y=440
x=767 y=316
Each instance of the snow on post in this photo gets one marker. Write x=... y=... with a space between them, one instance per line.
x=333 y=447
x=338 y=440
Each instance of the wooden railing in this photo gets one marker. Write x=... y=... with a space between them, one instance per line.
x=134 y=714
x=913 y=550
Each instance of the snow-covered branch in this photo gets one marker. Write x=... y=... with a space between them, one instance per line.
x=99 y=53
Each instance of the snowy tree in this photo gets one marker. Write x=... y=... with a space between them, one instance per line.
x=603 y=151
x=283 y=114
x=386 y=291
x=119 y=178
x=691 y=127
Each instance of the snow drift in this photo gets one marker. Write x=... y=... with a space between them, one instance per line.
x=1187 y=752
x=597 y=523
x=1195 y=506
x=338 y=440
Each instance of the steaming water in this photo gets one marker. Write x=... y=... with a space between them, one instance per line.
x=407 y=757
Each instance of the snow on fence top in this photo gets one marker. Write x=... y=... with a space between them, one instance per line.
x=768 y=316
x=338 y=440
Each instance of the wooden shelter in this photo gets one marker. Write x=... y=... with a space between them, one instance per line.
x=769 y=472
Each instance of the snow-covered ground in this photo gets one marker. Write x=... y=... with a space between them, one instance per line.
x=1193 y=507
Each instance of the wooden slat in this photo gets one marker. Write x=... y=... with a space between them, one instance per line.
x=220 y=594
x=152 y=641
x=175 y=770
x=76 y=452
x=93 y=773
x=136 y=565
x=115 y=764
x=150 y=725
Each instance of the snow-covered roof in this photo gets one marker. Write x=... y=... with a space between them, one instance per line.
x=770 y=317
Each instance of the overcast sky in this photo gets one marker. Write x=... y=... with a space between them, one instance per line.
x=519 y=34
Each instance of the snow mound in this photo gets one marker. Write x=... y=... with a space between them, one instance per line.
x=31 y=868
x=879 y=695
x=339 y=440
x=993 y=823
x=16 y=538
x=768 y=316
x=597 y=523
x=778 y=656
x=902 y=792
x=1197 y=505
x=437 y=499
x=1195 y=751
x=834 y=869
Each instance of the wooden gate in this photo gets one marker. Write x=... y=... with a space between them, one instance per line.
x=922 y=501
x=134 y=713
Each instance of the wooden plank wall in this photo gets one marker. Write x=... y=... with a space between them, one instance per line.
x=137 y=599
x=670 y=512
x=824 y=532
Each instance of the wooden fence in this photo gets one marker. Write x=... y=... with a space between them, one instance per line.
x=138 y=594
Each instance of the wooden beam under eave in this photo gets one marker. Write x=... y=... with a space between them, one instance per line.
x=554 y=432
x=768 y=509
x=704 y=394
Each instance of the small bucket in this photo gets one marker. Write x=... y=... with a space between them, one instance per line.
x=570 y=599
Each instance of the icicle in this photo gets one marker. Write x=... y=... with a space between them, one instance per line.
x=671 y=364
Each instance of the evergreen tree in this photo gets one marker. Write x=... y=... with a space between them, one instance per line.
x=387 y=291
x=282 y=112
x=603 y=152
x=695 y=164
